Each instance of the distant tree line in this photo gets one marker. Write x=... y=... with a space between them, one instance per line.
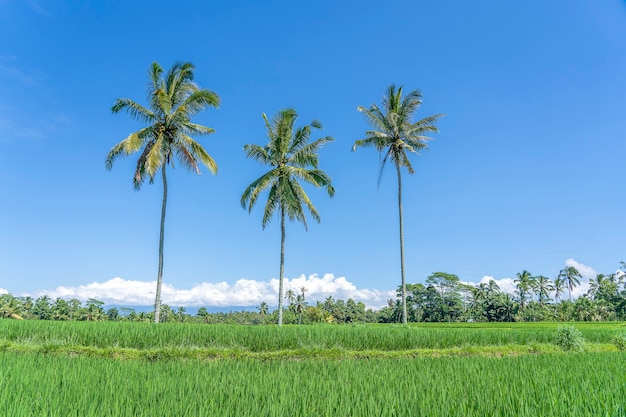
x=537 y=298
x=442 y=298
x=298 y=311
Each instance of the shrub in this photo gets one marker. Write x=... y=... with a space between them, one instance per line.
x=569 y=338
x=620 y=341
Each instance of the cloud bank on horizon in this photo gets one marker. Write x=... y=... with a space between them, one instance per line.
x=247 y=293
x=243 y=293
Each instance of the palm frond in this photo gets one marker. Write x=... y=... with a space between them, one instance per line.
x=198 y=152
x=154 y=73
x=377 y=140
x=135 y=110
x=196 y=102
x=270 y=128
x=258 y=153
x=315 y=177
x=416 y=143
x=187 y=158
x=374 y=117
x=383 y=163
x=302 y=197
x=156 y=157
x=283 y=125
x=300 y=138
x=196 y=129
x=273 y=202
x=290 y=199
x=131 y=144
x=250 y=195
x=429 y=122
x=306 y=155
x=140 y=170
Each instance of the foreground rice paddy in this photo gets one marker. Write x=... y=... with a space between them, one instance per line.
x=79 y=369
x=542 y=385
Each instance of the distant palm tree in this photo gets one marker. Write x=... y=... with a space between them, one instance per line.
x=571 y=276
x=291 y=158
x=181 y=314
x=263 y=308
x=542 y=287
x=300 y=306
x=559 y=287
x=173 y=99
x=524 y=283
x=290 y=295
x=596 y=284
x=395 y=134
x=493 y=287
x=328 y=304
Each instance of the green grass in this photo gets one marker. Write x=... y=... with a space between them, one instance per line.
x=257 y=339
x=458 y=369
x=581 y=384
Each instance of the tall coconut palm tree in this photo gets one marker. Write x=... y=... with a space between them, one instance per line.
x=173 y=99
x=292 y=159
x=572 y=277
x=395 y=134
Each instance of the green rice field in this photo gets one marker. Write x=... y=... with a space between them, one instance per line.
x=136 y=369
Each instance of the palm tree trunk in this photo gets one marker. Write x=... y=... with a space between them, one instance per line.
x=404 y=314
x=157 y=302
x=569 y=287
x=282 y=266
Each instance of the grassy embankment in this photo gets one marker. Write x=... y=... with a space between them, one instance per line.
x=197 y=341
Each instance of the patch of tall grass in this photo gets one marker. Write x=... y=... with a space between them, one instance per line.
x=273 y=338
x=582 y=384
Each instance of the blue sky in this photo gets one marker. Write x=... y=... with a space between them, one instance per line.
x=526 y=172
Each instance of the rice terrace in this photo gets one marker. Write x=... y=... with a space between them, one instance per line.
x=312 y=209
x=138 y=369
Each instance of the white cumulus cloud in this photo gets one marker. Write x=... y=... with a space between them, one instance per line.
x=3 y=291
x=243 y=292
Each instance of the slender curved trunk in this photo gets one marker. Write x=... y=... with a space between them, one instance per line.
x=569 y=287
x=404 y=314
x=157 y=302
x=282 y=265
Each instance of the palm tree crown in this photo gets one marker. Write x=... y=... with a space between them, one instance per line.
x=291 y=159
x=571 y=277
x=395 y=134
x=291 y=156
x=542 y=286
x=173 y=100
x=524 y=284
